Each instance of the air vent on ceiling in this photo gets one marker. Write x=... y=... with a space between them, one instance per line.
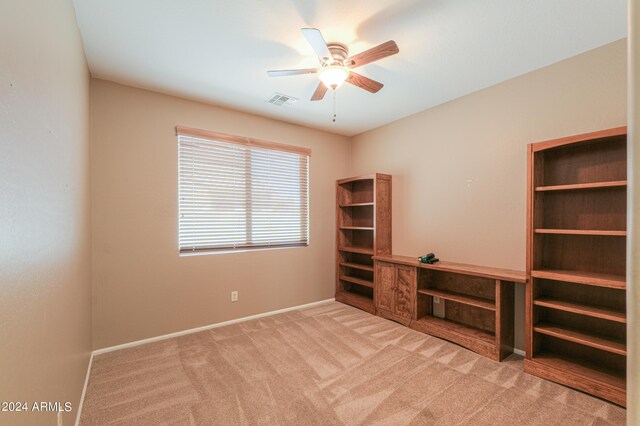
x=278 y=99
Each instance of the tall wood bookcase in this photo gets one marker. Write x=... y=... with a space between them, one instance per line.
x=363 y=229
x=576 y=254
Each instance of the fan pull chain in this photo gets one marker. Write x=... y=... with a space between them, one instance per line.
x=334 y=105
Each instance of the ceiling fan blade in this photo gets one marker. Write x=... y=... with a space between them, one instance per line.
x=375 y=53
x=315 y=39
x=364 y=82
x=319 y=93
x=284 y=73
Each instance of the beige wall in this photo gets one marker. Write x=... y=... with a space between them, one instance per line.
x=45 y=278
x=459 y=169
x=142 y=288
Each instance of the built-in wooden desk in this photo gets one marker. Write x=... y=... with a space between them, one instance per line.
x=466 y=304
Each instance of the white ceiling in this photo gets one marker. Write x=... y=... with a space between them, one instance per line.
x=219 y=51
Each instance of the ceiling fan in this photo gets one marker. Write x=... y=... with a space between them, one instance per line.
x=336 y=65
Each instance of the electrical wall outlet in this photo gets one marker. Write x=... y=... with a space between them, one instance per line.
x=436 y=299
x=234 y=296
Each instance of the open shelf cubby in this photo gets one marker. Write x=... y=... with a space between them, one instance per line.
x=576 y=262
x=602 y=208
x=587 y=300
x=591 y=158
x=363 y=229
x=599 y=333
x=469 y=305
x=595 y=254
x=582 y=367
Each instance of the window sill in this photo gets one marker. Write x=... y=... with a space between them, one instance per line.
x=245 y=250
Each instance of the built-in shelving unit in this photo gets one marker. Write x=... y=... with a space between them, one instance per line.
x=363 y=229
x=576 y=254
x=476 y=306
x=469 y=305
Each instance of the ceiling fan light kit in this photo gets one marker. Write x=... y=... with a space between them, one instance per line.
x=333 y=76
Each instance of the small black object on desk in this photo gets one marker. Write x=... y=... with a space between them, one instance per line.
x=428 y=258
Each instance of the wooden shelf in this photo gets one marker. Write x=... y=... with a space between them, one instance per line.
x=357 y=204
x=361 y=250
x=581 y=337
x=582 y=232
x=357 y=266
x=454 y=331
x=593 y=185
x=357 y=228
x=357 y=300
x=357 y=280
x=460 y=298
x=576 y=308
x=594 y=378
x=582 y=277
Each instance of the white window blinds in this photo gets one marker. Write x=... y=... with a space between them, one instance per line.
x=239 y=193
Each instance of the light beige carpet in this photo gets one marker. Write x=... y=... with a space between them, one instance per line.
x=328 y=365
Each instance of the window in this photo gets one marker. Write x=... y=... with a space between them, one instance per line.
x=240 y=193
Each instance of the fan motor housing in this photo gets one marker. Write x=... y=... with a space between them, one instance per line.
x=339 y=51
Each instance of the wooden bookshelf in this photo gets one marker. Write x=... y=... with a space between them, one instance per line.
x=466 y=304
x=363 y=228
x=576 y=254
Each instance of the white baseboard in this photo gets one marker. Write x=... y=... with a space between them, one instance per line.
x=518 y=352
x=84 y=390
x=206 y=327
